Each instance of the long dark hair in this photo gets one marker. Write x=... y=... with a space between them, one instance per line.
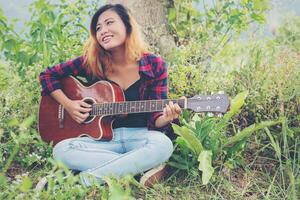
x=119 y=9
x=98 y=59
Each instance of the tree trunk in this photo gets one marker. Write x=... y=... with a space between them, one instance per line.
x=151 y=15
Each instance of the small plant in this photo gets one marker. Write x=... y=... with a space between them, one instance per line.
x=207 y=139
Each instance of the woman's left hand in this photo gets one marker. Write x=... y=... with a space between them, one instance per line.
x=170 y=112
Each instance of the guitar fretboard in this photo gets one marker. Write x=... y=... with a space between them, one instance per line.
x=117 y=108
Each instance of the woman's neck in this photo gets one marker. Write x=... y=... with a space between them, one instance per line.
x=118 y=58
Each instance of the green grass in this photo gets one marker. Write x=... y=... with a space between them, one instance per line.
x=249 y=162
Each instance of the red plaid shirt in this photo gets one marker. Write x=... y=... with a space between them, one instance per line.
x=152 y=70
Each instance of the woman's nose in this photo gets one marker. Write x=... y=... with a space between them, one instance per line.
x=103 y=30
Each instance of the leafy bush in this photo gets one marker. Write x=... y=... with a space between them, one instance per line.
x=210 y=57
x=206 y=138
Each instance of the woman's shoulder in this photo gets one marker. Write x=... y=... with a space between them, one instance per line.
x=156 y=62
x=152 y=58
x=77 y=59
x=152 y=65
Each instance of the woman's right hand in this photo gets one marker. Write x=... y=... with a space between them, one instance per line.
x=78 y=110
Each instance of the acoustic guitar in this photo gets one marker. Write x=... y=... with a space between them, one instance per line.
x=108 y=101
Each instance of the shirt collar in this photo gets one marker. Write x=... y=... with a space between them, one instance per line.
x=145 y=67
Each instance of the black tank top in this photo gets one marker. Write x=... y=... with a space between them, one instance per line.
x=134 y=119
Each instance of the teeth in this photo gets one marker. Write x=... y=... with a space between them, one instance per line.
x=106 y=38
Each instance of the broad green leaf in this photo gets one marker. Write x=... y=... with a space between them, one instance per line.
x=244 y=2
x=45 y=18
x=178 y=165
x=236 y=105
x=205 y=166
x=28 y=121
x=260 y=5
x=189 y=137
x=260 y=18
x=9 y=44
x=274 y=144
x=1 y=132
x=26 y=184
x=13 y=122
x=3 y=180
x=181 y=142
x=237 y=147
x=83 y=27
x=246 y=132
x=178 y=158
x=116 y=190
x=172 y=14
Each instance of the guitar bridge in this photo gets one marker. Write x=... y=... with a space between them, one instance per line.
x=60 y=116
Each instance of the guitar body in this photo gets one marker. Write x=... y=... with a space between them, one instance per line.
x=55 y=124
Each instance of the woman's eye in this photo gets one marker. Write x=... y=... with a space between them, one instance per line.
x=110 y=22
x=98 y=28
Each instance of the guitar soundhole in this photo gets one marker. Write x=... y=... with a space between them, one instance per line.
x=89 y=101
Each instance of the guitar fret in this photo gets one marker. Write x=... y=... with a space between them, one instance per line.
x=111 y=108
x=107 y=108
x=116 y=108
x=97 y=110
x=102 y=109
x=132 y=106
x=121 y=111
x=143 y=106
x=127 y=107
x=152 y=107
x=124 y=107
x=135 y=106
x=145 y=109
x=160 y=105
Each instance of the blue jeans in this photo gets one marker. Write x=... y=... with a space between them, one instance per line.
x=131 y=151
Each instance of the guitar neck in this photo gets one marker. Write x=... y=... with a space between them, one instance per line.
x=127 y=107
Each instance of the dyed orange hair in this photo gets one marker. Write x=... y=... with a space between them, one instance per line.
x=97 y=59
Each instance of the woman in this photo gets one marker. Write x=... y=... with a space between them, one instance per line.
x=116 y=52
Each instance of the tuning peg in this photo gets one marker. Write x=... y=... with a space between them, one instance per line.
x=210 y=114
x=220 y=115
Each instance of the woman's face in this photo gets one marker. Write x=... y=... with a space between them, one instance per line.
x=110 y=30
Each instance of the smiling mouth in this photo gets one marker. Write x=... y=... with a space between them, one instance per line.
x=107 y=38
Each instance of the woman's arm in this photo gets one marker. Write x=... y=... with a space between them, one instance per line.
x=159 y=90
x=50 y=81
x=50 y=78
x=171 y=112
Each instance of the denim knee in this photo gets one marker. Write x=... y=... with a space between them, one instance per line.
x=60 y=148
x=164 y=146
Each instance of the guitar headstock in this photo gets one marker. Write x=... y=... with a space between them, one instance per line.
x=218 y=103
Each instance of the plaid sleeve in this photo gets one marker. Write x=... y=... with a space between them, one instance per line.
x=158 y=89
x=49 y=78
